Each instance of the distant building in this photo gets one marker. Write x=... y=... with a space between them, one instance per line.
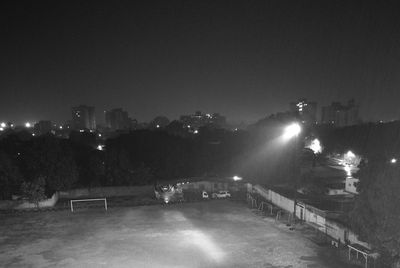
x=83 y=117
x=340 y=115
x=198 y=119
x=43 y=127
x=304 y=110
x=117 y=119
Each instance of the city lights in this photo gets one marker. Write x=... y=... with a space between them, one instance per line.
x=28 y=125
x=3 y=125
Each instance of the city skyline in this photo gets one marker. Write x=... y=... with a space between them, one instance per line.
x=243 y=60
x=82 y=117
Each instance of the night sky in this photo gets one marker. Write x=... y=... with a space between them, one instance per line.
x=243 y=59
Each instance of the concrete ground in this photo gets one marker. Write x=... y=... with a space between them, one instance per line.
x=218 y=233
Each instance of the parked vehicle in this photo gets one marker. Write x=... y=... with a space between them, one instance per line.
x=221 y=194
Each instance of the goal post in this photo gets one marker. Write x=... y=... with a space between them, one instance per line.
x=72 y=201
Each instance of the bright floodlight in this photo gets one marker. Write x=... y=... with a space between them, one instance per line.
x=393 y=161
x=237 y=178
x=3 y=125
x=27 y=124
x=291 y=131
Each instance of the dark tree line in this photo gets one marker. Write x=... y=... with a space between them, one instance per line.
x=139 y=157
x=376 y=215
x=368 y=140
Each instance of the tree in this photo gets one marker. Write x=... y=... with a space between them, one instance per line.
x=34 y=191
x=377 y=212
x=10 y=177
x=52 y=159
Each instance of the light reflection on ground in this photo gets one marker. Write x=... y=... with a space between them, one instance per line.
x=204 y=243
x=206 y=234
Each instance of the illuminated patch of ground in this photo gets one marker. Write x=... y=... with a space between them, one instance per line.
x=206 y=234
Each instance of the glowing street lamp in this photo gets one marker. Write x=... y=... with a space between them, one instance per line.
x=3 y=125
x=236 y=178
x=393 y=161
x=315 y=146
x=293 y=131
x=350 y=154
x=28 y=125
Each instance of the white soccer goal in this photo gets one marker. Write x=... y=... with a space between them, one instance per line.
x=88 y=200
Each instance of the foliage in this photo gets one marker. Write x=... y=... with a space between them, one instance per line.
x=51 y=159
x=10 y=177
x=369 y=140
x=377 y=212
x=34 y=191
x=144 y=156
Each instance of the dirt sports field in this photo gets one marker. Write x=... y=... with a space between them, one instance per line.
x=217 y=233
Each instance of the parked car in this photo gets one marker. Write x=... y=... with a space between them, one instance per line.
x=221 y=194
x=204 y=194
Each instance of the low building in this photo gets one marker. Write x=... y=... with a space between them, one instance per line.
x=322 y=218
x=351 y=185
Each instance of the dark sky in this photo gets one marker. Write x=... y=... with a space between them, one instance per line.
x=244 y=59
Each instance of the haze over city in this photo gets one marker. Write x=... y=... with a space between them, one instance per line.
x=199 y=133
x=175 y=57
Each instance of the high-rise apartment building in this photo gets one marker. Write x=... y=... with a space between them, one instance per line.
x=340 y=115
x=83 y=117
x=43 y=127
x=304 y=110
x=117 y=119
